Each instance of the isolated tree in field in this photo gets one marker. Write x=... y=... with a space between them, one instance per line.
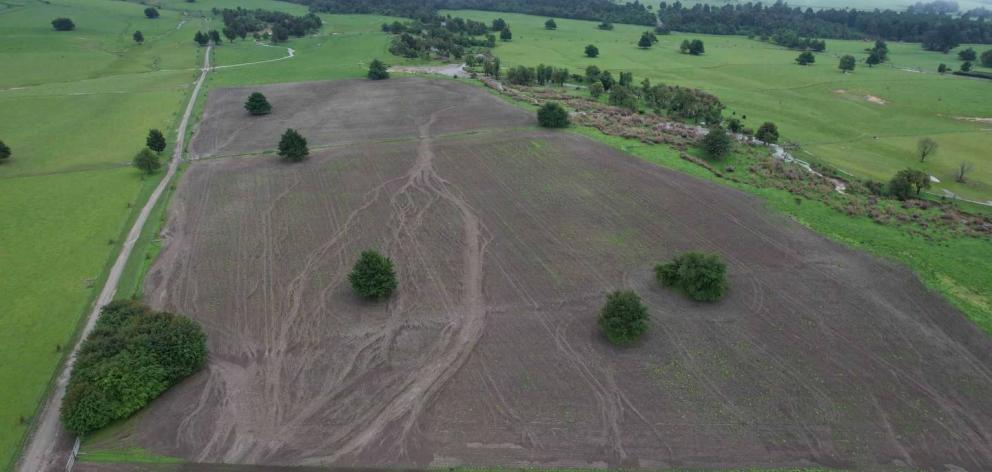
x=378 y=70
x=138 y=37
x=624 y=318
x=716 y=143
x=966 y=67
x=592 y=51
x=805 y=58
x=550 y=24
x=881 y=50
x=645 y=41
x=214 y=36
x=605 y=26
x=63 y=24
x=942 y=68
x=201 y=38
x=968 y=55
x=552 y=115
x=373 y=276
x=873 y=60
x=147 y=161
x=703 y=277
x=959 y=174
x=293 y=146
x=505 y=34
x=257 y=104
x=596 y=89
x=767 y=133
x=155 y=140
x=151 y=13
x=847 y=63
x=987 y=58
x=696 y=47
x=925 y=148
x=4 y=151
x=908 y=183
x=685 y=46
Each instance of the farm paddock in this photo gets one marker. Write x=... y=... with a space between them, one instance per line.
x=506 y=240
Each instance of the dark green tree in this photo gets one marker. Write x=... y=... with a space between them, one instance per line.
x=805 y=58
x=293 y=146
x=624 y=318
x=279 y=33
x=4 y=151
x=596 y=89
x=685 y=46
x=696 y=47
x=257 y=104
x=373 y=276
x=505 y=34
x=147 y=161
x=624 y=97
x=716 y=143
x=592 y=74
x=201 y=38
x=626 y=79
x=645 y=41
x=138 y=37
x=966 y=67
x=151 y=13
x=908 y=183
x=63 y=24
x=987 y=58
x=735 y=125
x=214 y=36
x=550 y=24
x=552 y=115
x=847 y=63
x=703 y=277
x=873 y=60
x=378 y=70
x=942 y=68
x=155 y=140
x=968 y=55
x=767 y=133
x=592 y=51
x=230 y=34
x=605 y=26
x=607 y=80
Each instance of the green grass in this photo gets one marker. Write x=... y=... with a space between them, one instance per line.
x=77 y=106
x=817 y=106
x=128 y=456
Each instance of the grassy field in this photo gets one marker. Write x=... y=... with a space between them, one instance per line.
x=77 y=106
x=861 y=5
x=825 y=111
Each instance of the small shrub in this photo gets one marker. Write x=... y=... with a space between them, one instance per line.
x=378 y=70
x=767 y=133
x=624 y=318
x=373 y=276
x=63 y=24
x=702 y=277
x=552 y=115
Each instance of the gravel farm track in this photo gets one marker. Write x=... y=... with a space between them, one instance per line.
x=506 y=239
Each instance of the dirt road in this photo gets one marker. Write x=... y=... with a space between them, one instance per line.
x=49 y=445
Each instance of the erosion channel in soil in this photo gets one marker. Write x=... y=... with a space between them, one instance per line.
x=506 y=240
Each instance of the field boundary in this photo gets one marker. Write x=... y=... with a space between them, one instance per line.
x=41 y=442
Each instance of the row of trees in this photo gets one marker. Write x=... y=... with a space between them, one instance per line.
x=132 y=356
x=700 y=276
x=936 y=31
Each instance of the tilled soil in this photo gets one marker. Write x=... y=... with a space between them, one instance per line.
x=506 y=241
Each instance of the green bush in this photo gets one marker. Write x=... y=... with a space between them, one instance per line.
x=373 y=276
x=552 y=115
x=703 y=277
x=378 y=70
x=293 y=146
x=131 y=357
x=716 y=143
x=257 y=104
x=624 y=318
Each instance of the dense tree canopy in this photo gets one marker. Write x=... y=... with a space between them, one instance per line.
x=241 y=22
x=257 y=104
x=131 y=357
x=293 y=146
x=624 y=318
x=592 y=51
x=767 y=133
x=63 y=24
x=155 y=140
x=550 y=24
x=702 y=277
x=987 y=58
x=151 y=13
x=441 y=36
x=138 y=37
x=716 y=143
x=373 y=276
x=378 y=70
x=147 y=161
x=552 y=115
x=908 y=183
x=5 y=152
x=805 y=58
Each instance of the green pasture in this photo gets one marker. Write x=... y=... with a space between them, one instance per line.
x=857 y=4
x=76 y=108
x=825 y=111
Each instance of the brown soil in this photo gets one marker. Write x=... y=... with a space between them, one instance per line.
x=506 y=242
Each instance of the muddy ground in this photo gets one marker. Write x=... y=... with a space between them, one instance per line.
x=506 y=241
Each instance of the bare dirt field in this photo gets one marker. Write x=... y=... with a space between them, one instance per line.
x=506 y=241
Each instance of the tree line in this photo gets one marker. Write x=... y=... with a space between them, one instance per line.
x=599 y=10
x=935 y=29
